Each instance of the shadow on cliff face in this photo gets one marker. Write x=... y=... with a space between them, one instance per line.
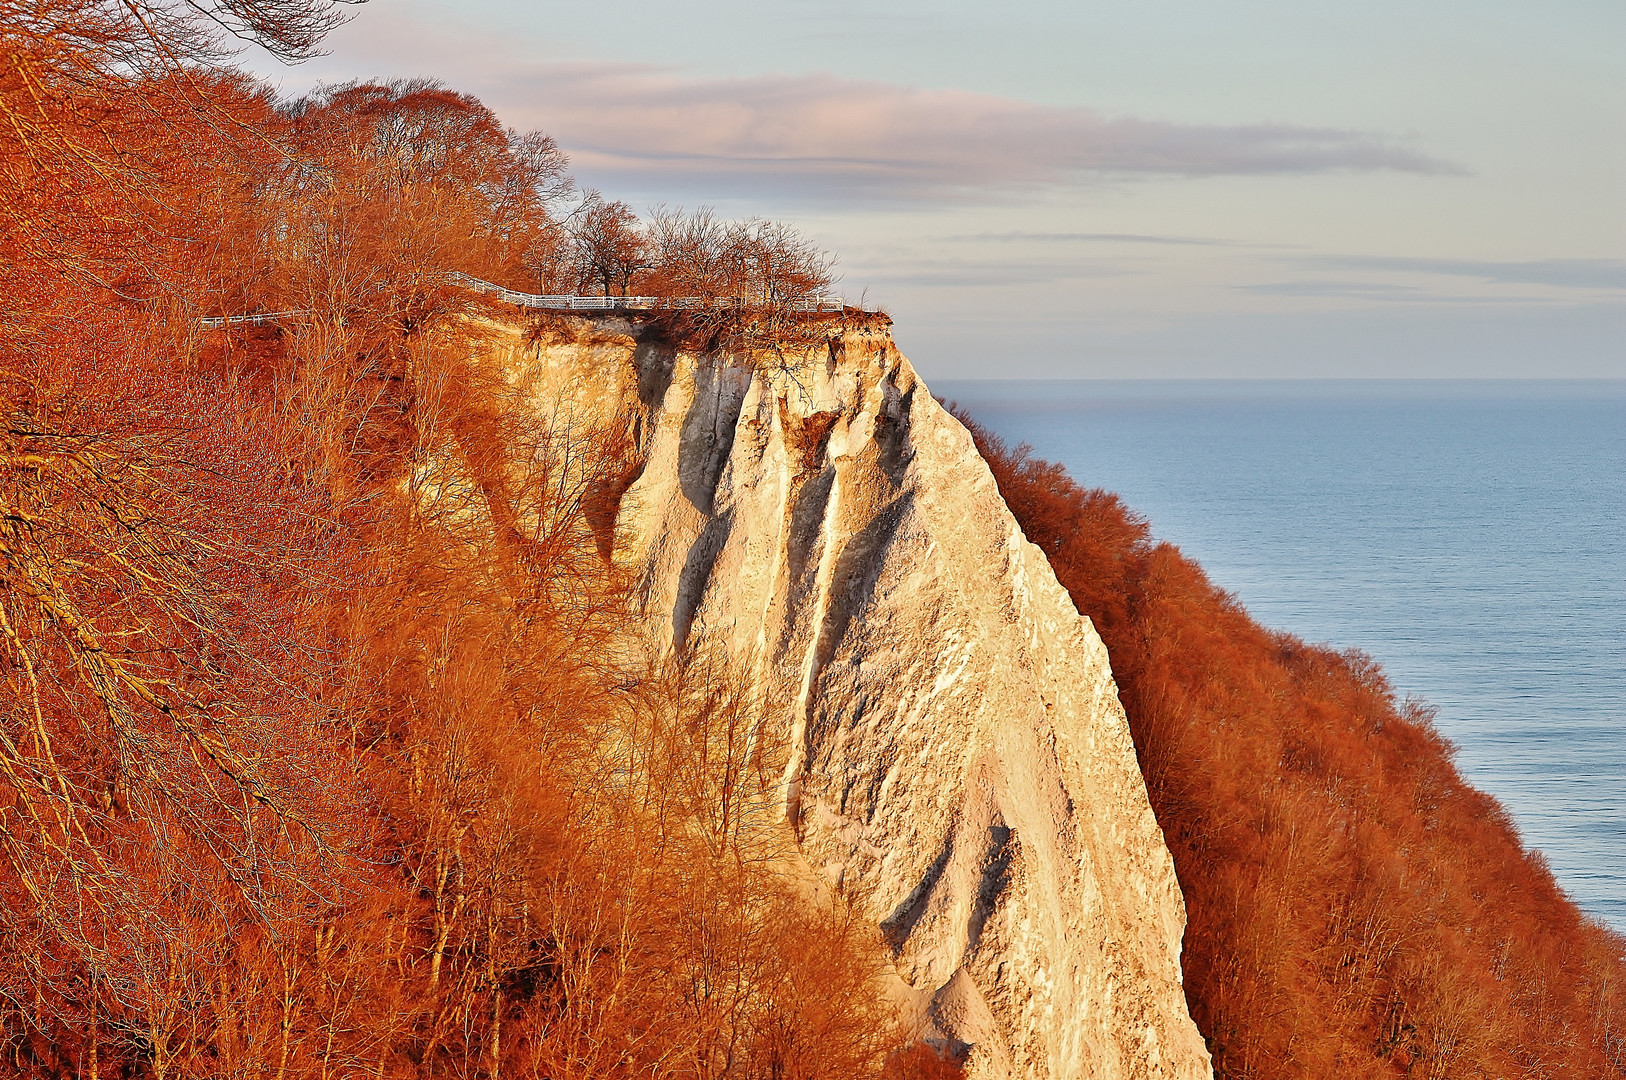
x=853 y=579
x=971 y=871
x=892 y=436
x=884 y=506
x=696 y=573
x=709 y=426
x=655 y=358
x=1355 y=908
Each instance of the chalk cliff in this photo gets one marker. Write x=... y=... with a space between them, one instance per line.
x=958 y=760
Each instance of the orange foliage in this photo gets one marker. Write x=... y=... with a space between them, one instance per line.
x=1355 y=909
x=921 y=1061
x=324 y=745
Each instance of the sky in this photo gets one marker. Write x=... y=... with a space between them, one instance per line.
x=1125 y=189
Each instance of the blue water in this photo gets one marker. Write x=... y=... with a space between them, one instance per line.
x=1470 y=535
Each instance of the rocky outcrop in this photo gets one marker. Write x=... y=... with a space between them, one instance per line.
x=958 y=761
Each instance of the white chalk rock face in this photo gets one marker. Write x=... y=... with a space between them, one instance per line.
x=959 y=762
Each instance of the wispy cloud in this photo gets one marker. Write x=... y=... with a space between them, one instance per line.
x=818 y=135
x=1363 y=289
x=980 y=274
x=1372 y=291
x=1607 y=274
x=1087 y=238
x=1404 y=279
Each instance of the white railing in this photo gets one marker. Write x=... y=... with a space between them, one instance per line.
x=630 y=303
x=220 y=322
x=810 y=304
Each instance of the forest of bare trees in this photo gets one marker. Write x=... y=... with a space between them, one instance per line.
x=326 y=744
x=1355 y=909
x=326 y=747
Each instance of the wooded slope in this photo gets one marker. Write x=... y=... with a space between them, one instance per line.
x=324 y=748
x=1355 y=908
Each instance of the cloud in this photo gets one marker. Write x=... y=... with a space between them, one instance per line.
x=978 y=274
x=1606 y=274
x=1405 y=279
x=1370 y=290
x=822 y=136
x=1088 y=238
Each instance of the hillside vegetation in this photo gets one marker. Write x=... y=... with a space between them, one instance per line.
x=1355 y=909
x=326 y=748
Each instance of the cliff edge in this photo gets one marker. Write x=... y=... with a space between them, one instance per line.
x=958 y=762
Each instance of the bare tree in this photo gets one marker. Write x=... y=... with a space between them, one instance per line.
x=610 y=246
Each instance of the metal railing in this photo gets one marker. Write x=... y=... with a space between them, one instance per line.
x=220 y=322
x=633 y=303
x=810 y=304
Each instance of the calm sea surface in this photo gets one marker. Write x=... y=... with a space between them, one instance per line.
x=1471 y=535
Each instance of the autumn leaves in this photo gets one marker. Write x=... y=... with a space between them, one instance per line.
x=327 y=744
x=1354 y=908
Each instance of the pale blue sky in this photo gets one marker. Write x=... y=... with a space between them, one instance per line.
x=1168 y=187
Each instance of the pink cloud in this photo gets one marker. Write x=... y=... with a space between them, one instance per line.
x=818 y=134
x=636 y=128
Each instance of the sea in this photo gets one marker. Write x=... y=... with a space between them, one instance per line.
x=1470 y=535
